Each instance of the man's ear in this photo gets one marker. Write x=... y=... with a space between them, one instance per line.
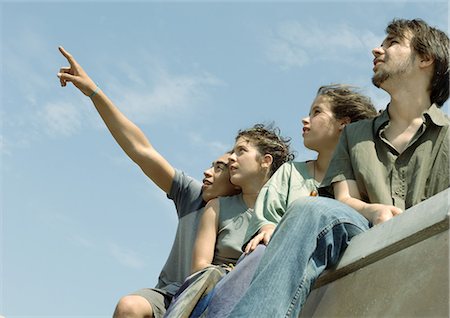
x=426 y=61
x=266 y=161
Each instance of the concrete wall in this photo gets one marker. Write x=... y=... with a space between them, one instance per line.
x=396 y=269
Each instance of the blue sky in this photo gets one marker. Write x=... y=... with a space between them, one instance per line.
x=81 y=225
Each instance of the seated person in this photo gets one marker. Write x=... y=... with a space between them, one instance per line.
x=257 y=154
x=334 y=107
x=395 y=161
x=189 y=195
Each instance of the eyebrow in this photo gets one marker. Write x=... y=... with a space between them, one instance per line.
x=219 y=162
x=391 y=37
x=314 y=108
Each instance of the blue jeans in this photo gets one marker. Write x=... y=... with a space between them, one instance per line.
x=232 y=286
x=311 y=236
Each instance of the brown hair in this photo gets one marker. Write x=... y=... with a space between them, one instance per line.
x=429 y=42
x=346 y=101
x=267 y=140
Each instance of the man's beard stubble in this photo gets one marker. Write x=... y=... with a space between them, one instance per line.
x=382 y=75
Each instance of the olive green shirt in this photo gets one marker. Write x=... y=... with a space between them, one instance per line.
x=234 y=217
x=289 y=183
x=382 y=174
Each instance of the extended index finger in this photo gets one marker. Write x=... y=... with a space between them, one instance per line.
x=68 y=56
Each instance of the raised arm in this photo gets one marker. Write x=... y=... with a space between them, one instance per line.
x=129 y=137
x=206 y=236
x=347 y=192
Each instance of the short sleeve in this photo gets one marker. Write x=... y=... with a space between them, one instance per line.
x=340 y=167
x=186 y=193
x=271 y=203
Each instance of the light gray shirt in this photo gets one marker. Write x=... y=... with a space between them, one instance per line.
x=186 y=193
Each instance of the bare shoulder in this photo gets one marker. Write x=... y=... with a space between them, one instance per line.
x=213 y=204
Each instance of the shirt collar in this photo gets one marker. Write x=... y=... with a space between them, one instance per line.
x=436 y=115
x=382 y=119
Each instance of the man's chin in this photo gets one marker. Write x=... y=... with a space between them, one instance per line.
x=379 y=78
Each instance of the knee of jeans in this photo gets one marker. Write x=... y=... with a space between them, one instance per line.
x=259 y=250
x=311 y=206
x=325 y=209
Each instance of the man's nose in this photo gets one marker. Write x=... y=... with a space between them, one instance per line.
x=377 y=51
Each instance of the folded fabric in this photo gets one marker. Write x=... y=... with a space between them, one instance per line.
x=197 y=286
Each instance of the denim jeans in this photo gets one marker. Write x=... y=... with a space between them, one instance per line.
x=311 y=236
x=232 y=286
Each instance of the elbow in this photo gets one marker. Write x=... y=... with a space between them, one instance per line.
x=343 y=198
x=198 y=266
x=140 y=155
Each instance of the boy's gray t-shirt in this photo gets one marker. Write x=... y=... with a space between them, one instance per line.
x=186 y=193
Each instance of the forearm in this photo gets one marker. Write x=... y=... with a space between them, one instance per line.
x=376 y=213
x=129 y=137
x=356 y=204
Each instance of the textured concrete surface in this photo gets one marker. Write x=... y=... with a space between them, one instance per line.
x=397 y=269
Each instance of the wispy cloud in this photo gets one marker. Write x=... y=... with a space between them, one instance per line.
x=294 y=44
x=126 y=257
x=61 y=118
x=215 y=147
x=163 y=95
x=3 y=147
x=146 y=91
x=80 y=241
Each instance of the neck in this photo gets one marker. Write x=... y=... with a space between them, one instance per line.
x=409 y=99
x=320 y=165
x=250 y=191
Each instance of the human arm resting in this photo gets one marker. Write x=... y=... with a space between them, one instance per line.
x=205 y=242
x=130 y=137
x=264 y=235
x=347 y=192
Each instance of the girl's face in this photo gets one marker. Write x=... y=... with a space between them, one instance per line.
x=245 y=163
x=321 y=129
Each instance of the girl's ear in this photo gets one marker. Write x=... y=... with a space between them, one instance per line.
x=344 y=122
x=266 y=161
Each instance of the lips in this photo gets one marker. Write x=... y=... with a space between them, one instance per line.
x=206 y=182
x=305 y=130
x=376 y=62
x=232 y=168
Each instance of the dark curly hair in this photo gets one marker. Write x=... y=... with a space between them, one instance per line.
x=268 y=140
x=346 y=101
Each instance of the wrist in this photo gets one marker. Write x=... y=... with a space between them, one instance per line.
x=266 y=228
x=94 y=91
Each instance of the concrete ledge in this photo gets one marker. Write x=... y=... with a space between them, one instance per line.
x=413 y=282
x=416 y=224
x=396 y=269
